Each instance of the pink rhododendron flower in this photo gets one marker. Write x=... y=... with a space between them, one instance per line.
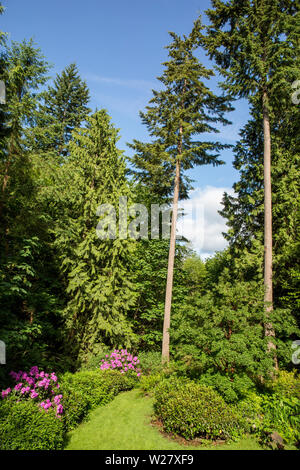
x=122 y=360
x=26 y=392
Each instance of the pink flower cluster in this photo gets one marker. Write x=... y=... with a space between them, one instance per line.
x=5 y=392
x=36 y=384
x=121 y=360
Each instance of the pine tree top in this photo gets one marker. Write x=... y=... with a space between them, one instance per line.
x=179 y=113
x=256 y=46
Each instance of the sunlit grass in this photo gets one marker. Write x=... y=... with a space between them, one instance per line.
x=124 y=424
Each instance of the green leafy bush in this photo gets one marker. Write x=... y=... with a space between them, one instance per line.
x=270 y=412
x=194 y=410
x=150 y=362
x=287 y=384
x=281 y=414
x=24 y=426
x=85 y=390
x=250 y=408
x=225 y=328
x=93 y=361
x=148 y=383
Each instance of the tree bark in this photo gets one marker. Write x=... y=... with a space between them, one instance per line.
x=268 y=282
x=168 y=299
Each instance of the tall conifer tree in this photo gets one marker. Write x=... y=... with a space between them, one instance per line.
x=244 y=211
x=255 y=45
x=63 y=108
x=98 y=275
x=184 y=109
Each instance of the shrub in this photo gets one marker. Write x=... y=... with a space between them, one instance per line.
x=38 y=386
x=287 y=384
x=232 y=389
x=250 y=408
x=151 y=362
x=123 y=361
x=194 y=410
x=92 y=360
x=25 y=426
x=281 y=414
x=85 y=390
x=148 y=383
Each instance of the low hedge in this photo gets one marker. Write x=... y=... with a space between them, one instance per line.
x=25 y=426
x=192 y=410
x=85 y=390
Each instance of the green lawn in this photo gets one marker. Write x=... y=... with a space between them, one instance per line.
x=124 y=424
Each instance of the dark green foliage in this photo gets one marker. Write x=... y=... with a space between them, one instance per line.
x=85 y=390
x=281 y=414
x=150 y=362
x=29 y=319
x=64 y=108
x=255 y=44
x=220 y=340
x=97 y=272
x=24 y=426
x=150 y=273
x=193 y=410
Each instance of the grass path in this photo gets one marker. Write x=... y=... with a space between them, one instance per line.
x=124 y=424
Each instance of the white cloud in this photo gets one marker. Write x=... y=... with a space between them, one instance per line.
x=202 y=224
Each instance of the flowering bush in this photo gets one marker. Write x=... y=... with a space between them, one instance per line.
x=121 y=360
x=36 y=385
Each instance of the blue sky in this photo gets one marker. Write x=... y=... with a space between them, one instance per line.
x=119 y=47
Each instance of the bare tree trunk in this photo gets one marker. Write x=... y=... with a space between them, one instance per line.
x=268 y=282
x=170 y=275
x=168 y=299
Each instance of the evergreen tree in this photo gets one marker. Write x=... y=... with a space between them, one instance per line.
x=63 y=108
x=245 y=211
x=29 y=311
x=98 y=272
x=255 y=44
x=184 y=109
x=24 y=72
x=150 y=272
